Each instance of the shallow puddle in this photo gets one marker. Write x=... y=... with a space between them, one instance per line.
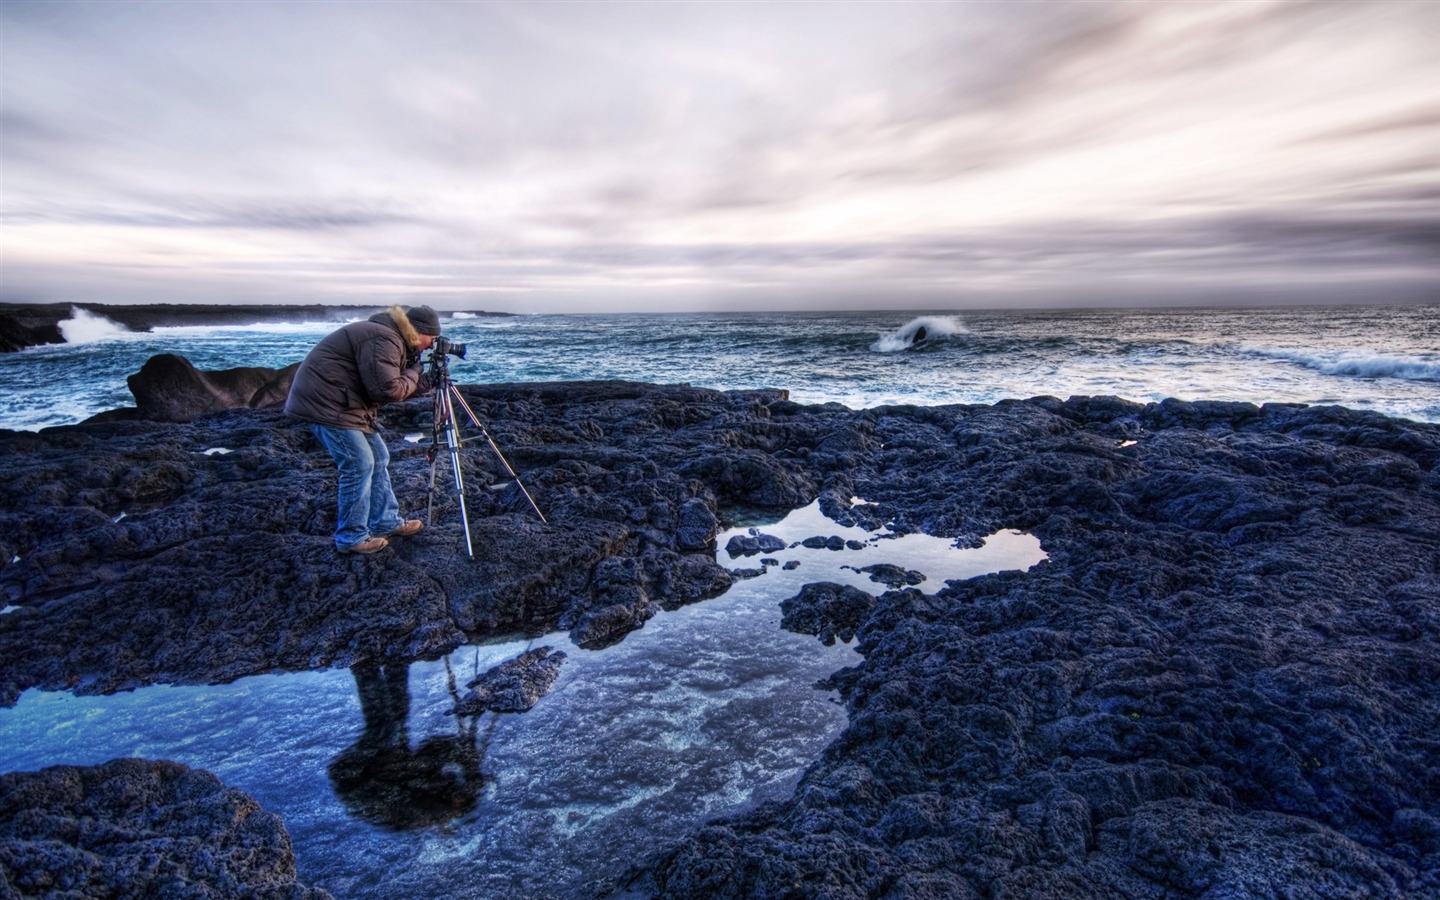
x=850 y=549
x=705 y=711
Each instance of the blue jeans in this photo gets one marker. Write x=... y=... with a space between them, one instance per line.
x=367 y=501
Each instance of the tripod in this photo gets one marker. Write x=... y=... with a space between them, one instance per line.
x=446 y=398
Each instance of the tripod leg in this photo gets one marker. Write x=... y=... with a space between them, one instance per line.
x=452 y=446
x=491 y=441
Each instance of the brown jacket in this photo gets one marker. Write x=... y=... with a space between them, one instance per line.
x=355 y=370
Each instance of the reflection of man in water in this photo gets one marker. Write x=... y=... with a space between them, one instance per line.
x=381 y=780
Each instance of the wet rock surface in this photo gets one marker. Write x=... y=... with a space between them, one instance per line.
x=1221 y=680
x=1216 y=685
x=513 y=686
x=136 y=828
x=826 y=610
x=141 y=552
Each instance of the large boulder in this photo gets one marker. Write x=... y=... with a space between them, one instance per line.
x=168 y=388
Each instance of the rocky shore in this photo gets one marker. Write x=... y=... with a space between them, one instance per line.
x=1220 y=683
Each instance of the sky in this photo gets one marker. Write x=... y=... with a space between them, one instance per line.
x=574 y=157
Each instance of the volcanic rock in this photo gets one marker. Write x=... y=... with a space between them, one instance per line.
x=826 y=610
x=751 y=544
x=136 y=828
x=136 y=557
x=1220 y=680
x=21 y=328
x=891 y=575
x=168 y=388
x=513 y=686
x=1217 y=685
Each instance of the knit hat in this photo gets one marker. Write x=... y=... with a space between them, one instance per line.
x=425 y=319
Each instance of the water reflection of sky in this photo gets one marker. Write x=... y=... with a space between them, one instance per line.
x=704 y=711
x=936 y=558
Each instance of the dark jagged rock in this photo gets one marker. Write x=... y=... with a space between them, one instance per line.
x=826 y=610
x=135 y=557
x=168 y=388
x=891 y=575
x=1221 y=680
x=1217 y=685
x=751 y=544
x=818 y=542
x=21 y=328
x=696 y=526
x=513 y=686
x=136 y=828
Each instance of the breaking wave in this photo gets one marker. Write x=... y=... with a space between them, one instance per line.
x=1357 y=364
x=84 y=327
x=919 y=331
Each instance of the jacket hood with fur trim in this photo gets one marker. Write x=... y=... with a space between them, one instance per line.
x=402 y=322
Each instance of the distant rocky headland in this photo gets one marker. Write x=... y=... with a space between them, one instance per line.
x=29 y=325
x=1220 y=683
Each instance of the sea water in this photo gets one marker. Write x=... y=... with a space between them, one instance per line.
x=1384 y=358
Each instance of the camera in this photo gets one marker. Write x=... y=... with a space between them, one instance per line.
x=443 y=346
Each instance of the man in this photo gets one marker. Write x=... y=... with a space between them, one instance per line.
x=339 y=389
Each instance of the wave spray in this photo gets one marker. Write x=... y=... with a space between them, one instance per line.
x=918 y=331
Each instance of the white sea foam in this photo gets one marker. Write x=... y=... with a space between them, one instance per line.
x=1357 y=363
x=936 y=327
x=84 y=327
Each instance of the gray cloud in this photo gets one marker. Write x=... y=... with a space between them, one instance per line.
x=286 y=216
x=578 y=150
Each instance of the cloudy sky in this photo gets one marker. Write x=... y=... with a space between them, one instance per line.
x=658 y=156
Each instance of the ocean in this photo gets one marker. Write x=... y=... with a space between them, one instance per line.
x=1381 y=358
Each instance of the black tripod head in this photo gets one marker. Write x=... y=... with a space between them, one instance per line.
x=440 y=352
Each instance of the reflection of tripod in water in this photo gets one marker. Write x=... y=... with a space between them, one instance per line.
x=383 y=780
x=446 y=397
